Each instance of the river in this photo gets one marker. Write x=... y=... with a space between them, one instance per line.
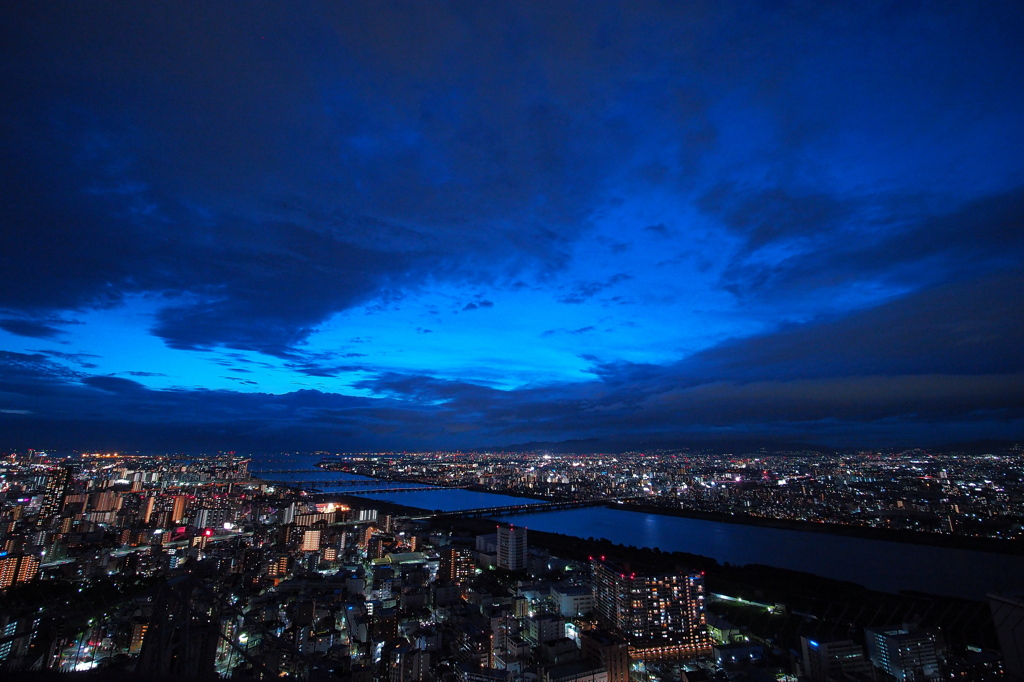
x=877 y=564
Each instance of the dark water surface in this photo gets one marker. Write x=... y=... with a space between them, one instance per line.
x=877 y=564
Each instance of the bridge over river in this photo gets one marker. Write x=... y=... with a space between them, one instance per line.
x=512 y=510
x=345 y=483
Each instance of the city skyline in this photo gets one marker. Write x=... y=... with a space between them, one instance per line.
x=406 y=226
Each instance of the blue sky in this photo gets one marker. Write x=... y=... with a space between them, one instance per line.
x=412 y=225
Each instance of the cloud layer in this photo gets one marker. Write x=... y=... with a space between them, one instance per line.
x=408 y=225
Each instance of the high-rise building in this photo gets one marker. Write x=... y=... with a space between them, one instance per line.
x=179 y=508
x=28 y=568
x=107 y=500
x=572 y=600
x=511 y=548
x=907 y=655
x=287 y=514
x=408 y=664
x=8 y=569
x=379 y=545
x=18 y=568
x=610 y=650
x=212 y=517
x=139 y=629
x=665 y=608
x=53 y=493
x=278 y=566
x=311 y=541
x=831 y=659
x=456 y=564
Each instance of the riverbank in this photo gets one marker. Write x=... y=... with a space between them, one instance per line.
x=357 y=502
x=994 y=545
x=581 y=549
x=803 y=603
x=981 y=544
x=807 y=603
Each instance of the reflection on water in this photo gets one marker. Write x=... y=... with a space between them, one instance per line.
x=881 y=565
x=452 y=500
x=877 y=564
x=327 y=481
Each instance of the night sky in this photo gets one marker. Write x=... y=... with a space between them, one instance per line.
x=354 y=225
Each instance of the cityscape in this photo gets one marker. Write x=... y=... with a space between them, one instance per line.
x=953 y=494
x=197 y=567
x=512 y=341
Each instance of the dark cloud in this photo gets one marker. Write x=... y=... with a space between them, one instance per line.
x=32 y=374
x=133 y=168
x=763 y=216
x=83 y=360
x=970 y=327
x=483 y=303
x=986 y=235
x=280 y=290
x=584 y=291
x=118 y=219
x=562 y=330
x=742 y=388
x=30 y=328
x=113 y=384
x=246 y=382
x=849 y=175
x=321 y=370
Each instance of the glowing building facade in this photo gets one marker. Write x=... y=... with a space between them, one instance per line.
x=651 y=608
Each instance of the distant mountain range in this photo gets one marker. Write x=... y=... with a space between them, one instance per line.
x=614 y=445
x=727 y=445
